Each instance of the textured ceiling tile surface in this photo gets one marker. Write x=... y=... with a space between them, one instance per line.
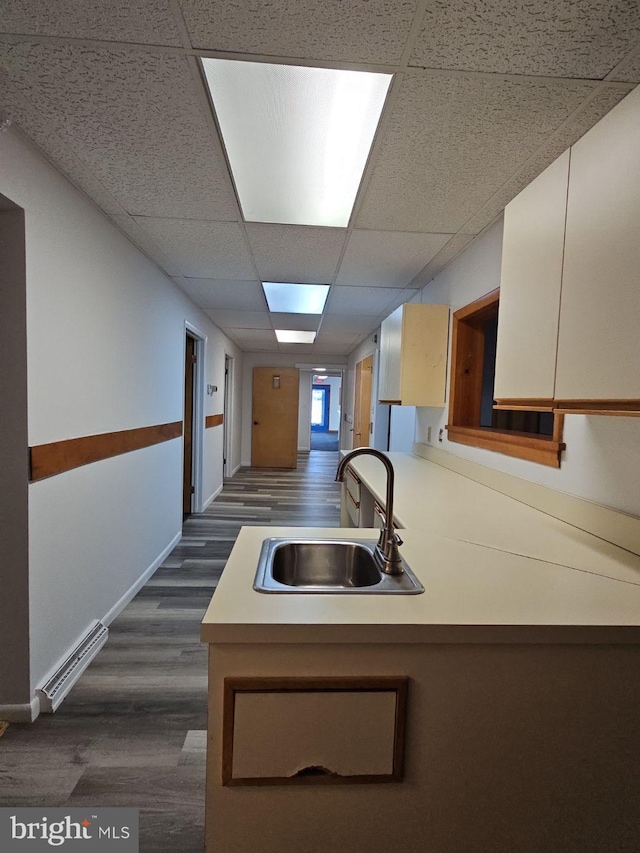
x=452 y=141
x=201 y=249
x=134 y=119
x=297 y=322
x=629 y=71
x=141 y=22
x=141 y=239
x=231 y=295
x=296 y=348
x=455 y=245
x=239 y=319
x=337 y=325
x=185 y=284
x=387 y=258
x=363 y=301
x=557 y=38
x=597 y=107
x=352 y=30
x=296 y=253
x=16 y=107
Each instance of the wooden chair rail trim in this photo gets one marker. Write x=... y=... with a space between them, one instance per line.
x=545 y=451
x=213 y=420
x=571 y=406
x=47 y=460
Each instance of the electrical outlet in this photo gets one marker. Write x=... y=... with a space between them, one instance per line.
x=429 y=435
x=440 y=434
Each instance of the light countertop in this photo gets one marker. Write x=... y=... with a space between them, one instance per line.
x=494 y=571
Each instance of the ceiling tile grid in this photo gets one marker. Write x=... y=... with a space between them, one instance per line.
x=296 y=322
x=363 y=300
x=225 y=319
x=140 y=238
x=230 y=295
x=563 y=38
x=629 y=70
x=133 y=117
x=296 y=253
x=142 y=22
x=336 y=324
x=387 y=258
x=455 y=245
x=351 y=30
x=451 y=140
x=202 y=249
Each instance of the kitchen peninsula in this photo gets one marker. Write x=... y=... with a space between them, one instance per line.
x=520 y=664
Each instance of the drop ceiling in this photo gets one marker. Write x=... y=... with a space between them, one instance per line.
x=484 y=97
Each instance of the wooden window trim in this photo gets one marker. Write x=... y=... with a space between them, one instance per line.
x=467 y=355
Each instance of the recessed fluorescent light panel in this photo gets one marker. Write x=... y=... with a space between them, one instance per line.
x=288 y=336
x=297 y=138
x=286 y=298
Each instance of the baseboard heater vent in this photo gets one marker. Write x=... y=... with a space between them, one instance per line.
x=61 y=682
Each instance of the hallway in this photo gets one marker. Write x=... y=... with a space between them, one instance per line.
x=132 y=731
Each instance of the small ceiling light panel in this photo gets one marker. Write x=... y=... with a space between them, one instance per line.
x=290 y=336
x=285 y=298
x=297 y=138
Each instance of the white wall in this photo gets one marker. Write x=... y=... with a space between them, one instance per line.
x=304 y=411
x=601 y=459
x=403 y=428
x=335 y=383
x=105 y=353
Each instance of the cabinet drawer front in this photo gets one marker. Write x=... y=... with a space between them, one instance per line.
x=302 y=736
x=353 y=508
x=353 y=484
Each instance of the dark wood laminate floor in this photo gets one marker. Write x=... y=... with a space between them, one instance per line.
x=132 y=731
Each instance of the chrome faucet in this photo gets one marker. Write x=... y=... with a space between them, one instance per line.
x=386 y=552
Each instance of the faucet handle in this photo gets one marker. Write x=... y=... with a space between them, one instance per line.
x=397 y=539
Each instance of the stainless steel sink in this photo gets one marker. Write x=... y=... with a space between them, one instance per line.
x=327 y=566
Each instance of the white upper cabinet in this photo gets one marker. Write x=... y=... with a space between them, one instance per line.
x=599 y=339
x=413 y=355
x=530 y=286
x=570 y=289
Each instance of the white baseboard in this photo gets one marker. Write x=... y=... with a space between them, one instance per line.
x=236 y=469
x=211 y=499
x=26 y=713
x=135 y=588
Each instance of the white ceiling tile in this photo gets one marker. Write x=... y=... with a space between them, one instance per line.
x=363 y=301
x=16 y=108
x=353 y=30
x=134 y=119
x=599 y=105
x=455 y=245
x=387 y=258
x=253 y=339
x=192 y=292
x=337 y=324
x=629 y=69
x=144 y=242
x=230 y=295
x=296 y=348
x=297 y=322
x=557 y=38
x=143 y=22
x=453 y=139
x=305 y=255
x=334 y=344
x=201 y=249
x=239 y=319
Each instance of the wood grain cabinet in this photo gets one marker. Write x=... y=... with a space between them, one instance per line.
x=570 y=285
x=413 y=356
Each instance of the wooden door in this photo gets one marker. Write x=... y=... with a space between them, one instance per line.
x=189 y=374
x=274 y=434
x=362 y=404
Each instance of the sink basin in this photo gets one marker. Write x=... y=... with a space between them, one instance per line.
x=327 y=566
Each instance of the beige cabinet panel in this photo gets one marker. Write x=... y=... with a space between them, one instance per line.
x=288 y=734
x=598 y=346
x=413 y=355
x=530 y=286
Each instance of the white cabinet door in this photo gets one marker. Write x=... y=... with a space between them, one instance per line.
x=530 y=287
x=599 y=342
x=390 y=353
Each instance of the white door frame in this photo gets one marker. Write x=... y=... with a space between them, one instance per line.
x=198 y=410
x=227 y=423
